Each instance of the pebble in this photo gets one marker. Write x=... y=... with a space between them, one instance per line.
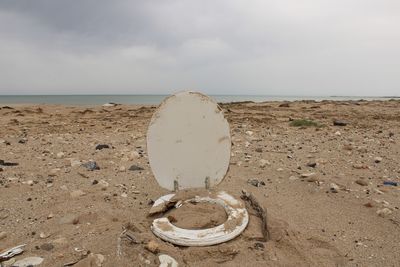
x=360 y=166
x=43 y=235
x=259 y=149
x=102 y=146
x=284 y=105
x=47 y=246
x=312 y=164
x=91 y=166
x=361 y=182
x=3 y=235
x=135 y=168
x=103 y=184
x=255 y=182
x=384 y=212
x=77 y=193
x=340 y=123
x=377 y=159
x=28 y=262
x=152 y=246
x=60 y=155
x=264 y=163
x=249 y=133
x=334 y=188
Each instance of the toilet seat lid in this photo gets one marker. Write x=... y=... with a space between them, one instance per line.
x=188 y=142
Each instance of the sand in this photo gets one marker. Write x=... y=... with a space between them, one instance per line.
x=322 y=185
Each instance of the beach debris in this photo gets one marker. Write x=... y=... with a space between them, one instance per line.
x=261 y=212
x=135 y=168
x=167 y=261
x=102 y=146
x=91 y=165
x=109 y=104
x=255 y=182
x=28 y=262
x=152 y=246
x=9 y=253
x=390 y=183
x=377 y=159
x=384 y=212
x=361 y=182
x=340 y=123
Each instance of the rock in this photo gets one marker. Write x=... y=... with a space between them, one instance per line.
x=255 y=182
x=334 y=188
x=77 y=193
x=338 y=133
x=3 y=235
x=306 y=175
x=22 y=140
x=135 y=168
x=167 y=261
x=361 y=182
x=103 y=184
x=91 y=166
x=28 y=262
x=102 y=146
x=249 y=133
x=259 y=150
x=47 y=246
x=312 y=164
x=360 y=166
x=152 y=246
x=377 y=159
x=43 y=235
x=133 y=155
x=384 y=212
x=284 y=105
x=60 y=155
x=264 y=163
x=340 y=123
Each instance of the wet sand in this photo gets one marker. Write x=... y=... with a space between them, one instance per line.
x=322 y=184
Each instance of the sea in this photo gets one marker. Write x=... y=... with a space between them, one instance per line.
x=156 y=99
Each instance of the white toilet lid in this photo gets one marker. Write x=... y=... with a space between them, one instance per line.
x=188 y=142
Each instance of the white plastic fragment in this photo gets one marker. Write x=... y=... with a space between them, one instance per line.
x=12 y=252
x=27 y=262
x=167 y=261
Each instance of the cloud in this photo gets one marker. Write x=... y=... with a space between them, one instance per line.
x=284 y=47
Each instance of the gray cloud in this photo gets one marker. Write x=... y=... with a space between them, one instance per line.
x=222 y=47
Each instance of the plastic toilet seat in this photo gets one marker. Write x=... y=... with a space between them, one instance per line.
x=236 y=222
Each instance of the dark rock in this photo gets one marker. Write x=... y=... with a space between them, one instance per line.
x=47 y=246
x=284 y=105
x=312 y=164
x=340 y=123
x=91 y=166
x=102 y=146
x=22 y=141
x=391 y=134
x=259 y=149
x=135 y=168
x=4 y=163
x=255 y=182
x=95 y=182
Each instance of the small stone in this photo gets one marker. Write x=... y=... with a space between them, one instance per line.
x=122 y=169
x=152 y=246
x=259 y=150
x=368 y=205
x=124 y=195
x=28 y=262
x=384 y=212
x=51 y=215
x=135 y=168
x=312 y=164
x=43 y=235
x=306 y=175
x=284 y=105
x=249 y=133
x=22 y=140
x=334 y=188
x=255 y=182
x=77 y=193
x=264 y=163
x=102 y=146
x=360 y=166
x=91 y=166
x=95 y=182
x=377 y=159
x=3 y=235
x=47 y=246
x=60 y=155
x=340 y=123
x=338 y=133
x=103 y=184
x=361 y=182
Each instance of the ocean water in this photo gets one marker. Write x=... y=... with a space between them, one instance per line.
x=156 y=99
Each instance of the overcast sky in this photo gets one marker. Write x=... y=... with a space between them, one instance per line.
x=281 y=47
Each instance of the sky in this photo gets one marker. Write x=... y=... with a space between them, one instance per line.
x=260 y=47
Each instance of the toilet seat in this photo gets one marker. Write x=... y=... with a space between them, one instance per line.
x=189 y=146
x=236 y=222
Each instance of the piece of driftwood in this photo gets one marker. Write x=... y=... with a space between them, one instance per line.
x=261 y=212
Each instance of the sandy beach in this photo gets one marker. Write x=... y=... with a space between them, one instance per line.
x=331 y=190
